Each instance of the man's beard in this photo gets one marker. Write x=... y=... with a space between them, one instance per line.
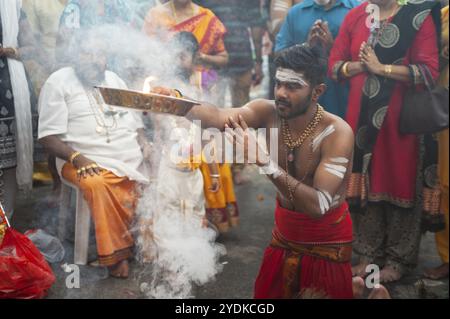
x=297 y=111
x=90 y=75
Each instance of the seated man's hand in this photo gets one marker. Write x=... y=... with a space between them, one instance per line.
x=85 y=167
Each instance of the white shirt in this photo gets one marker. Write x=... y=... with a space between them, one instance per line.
x=65 y=111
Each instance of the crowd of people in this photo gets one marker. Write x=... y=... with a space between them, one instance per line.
x=347 y=179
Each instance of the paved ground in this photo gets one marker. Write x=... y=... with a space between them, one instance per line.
x=245 y=246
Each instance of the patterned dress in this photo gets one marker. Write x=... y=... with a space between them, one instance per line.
x=7 y=116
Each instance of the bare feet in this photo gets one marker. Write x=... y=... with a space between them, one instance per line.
x=360 y=270
x=380 y=293
x=120 y=270
x=437 y=273
x=389 y=274
x=358 y=287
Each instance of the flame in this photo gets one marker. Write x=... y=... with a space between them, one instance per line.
x=148 y=84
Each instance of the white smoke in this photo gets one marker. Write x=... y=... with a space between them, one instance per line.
x=170 y=239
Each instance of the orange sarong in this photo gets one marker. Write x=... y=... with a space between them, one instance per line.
x=112 y=203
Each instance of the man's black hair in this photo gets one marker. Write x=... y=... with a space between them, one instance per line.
x=303 y=58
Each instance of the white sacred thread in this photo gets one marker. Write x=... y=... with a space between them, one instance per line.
x=290 y=76
x=319 y=139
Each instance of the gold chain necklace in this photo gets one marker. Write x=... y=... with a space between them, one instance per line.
x=287 y=134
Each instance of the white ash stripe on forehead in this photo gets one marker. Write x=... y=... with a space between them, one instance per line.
x=319 y=139
x=290 y=76
x=340 y=160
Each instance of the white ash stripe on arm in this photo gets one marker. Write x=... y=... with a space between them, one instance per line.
x=336 y=201
x=319 y=139
x=324 y=199
x=340 y=160
x=281 y=5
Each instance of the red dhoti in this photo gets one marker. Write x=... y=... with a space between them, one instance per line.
x=308 y=258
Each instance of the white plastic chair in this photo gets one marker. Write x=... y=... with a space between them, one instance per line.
x=82 y=220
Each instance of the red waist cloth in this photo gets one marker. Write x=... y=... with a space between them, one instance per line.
x=308 y=258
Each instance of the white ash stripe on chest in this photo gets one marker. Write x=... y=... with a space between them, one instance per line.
x=319 y=139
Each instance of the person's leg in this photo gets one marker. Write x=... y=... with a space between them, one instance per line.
x=380 y=293
x=441 y=271
x=369 y=237
x=403 y=241
x=8 y=190
x=358 y=287
x=112 y=202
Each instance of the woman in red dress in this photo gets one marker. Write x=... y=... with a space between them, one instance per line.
x=381 y=62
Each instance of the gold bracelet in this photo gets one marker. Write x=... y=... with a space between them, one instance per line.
x=388 y=69
x=73 y=157
x=345 y=70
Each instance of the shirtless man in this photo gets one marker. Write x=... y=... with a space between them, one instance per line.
x=310 y=250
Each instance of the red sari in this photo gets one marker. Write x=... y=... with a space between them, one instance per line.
x=308 y=257
x=205 y=26
x=393 y=172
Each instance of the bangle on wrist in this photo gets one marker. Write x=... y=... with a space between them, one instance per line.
x=73 y=157
x=344 y=71
x=214 y=175
x=387 y=69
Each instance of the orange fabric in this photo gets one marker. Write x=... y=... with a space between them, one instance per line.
x=112 y=202
x=205 y=26
x=221 y=207
x=294 y=253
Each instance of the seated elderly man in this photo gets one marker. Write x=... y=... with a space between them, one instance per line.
x=102 y=148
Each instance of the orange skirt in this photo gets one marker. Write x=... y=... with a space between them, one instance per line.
x=112 y=202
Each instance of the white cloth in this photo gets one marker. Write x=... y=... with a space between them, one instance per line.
x=180 y=192
x=65 y=111
x=10 y=15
